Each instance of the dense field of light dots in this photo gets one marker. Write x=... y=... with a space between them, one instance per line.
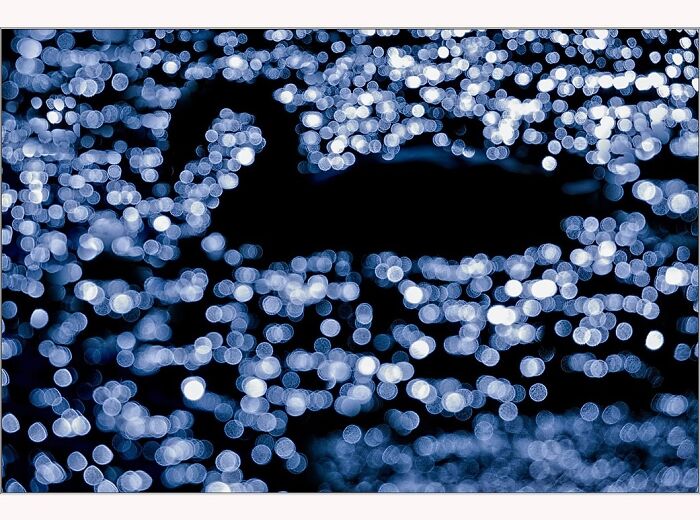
x=299 y=381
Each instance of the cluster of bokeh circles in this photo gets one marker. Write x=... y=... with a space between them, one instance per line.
x=333 y=371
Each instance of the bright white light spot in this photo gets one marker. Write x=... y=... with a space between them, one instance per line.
x=417 y=111
x=161 y=223
x=413 y=295
x=646 y=191
x=390 y=373
x=675 y=276
x=607 y=248
x=198 y=208
x=549 y=163
x=513 y=288
x=236 y=62
x=367 y=365
x=86 y=291
x=419 y=349
x=413 y=82
x=255 y=387
x=366 y=98
x=337 y=145
x=243 y=293
x=245 y=156
x=312 y=120
x=500 y=315
x=131 y=214
x=453 y=402
x=394 y=274
x=286 y=97
x=431 y=95
x=679 y=203
x=39 y=318
x=170 y=67
x=228 y=181
x=295 y=404
x=121 y=303
x=545 y=85
x=542 y=289
x=432 y=73
x=580 y=257
x=193 y=388
x=531 y=366
x=654 y=340
x=419 y=389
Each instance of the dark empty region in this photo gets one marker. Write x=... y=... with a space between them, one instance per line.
x=424 y=201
